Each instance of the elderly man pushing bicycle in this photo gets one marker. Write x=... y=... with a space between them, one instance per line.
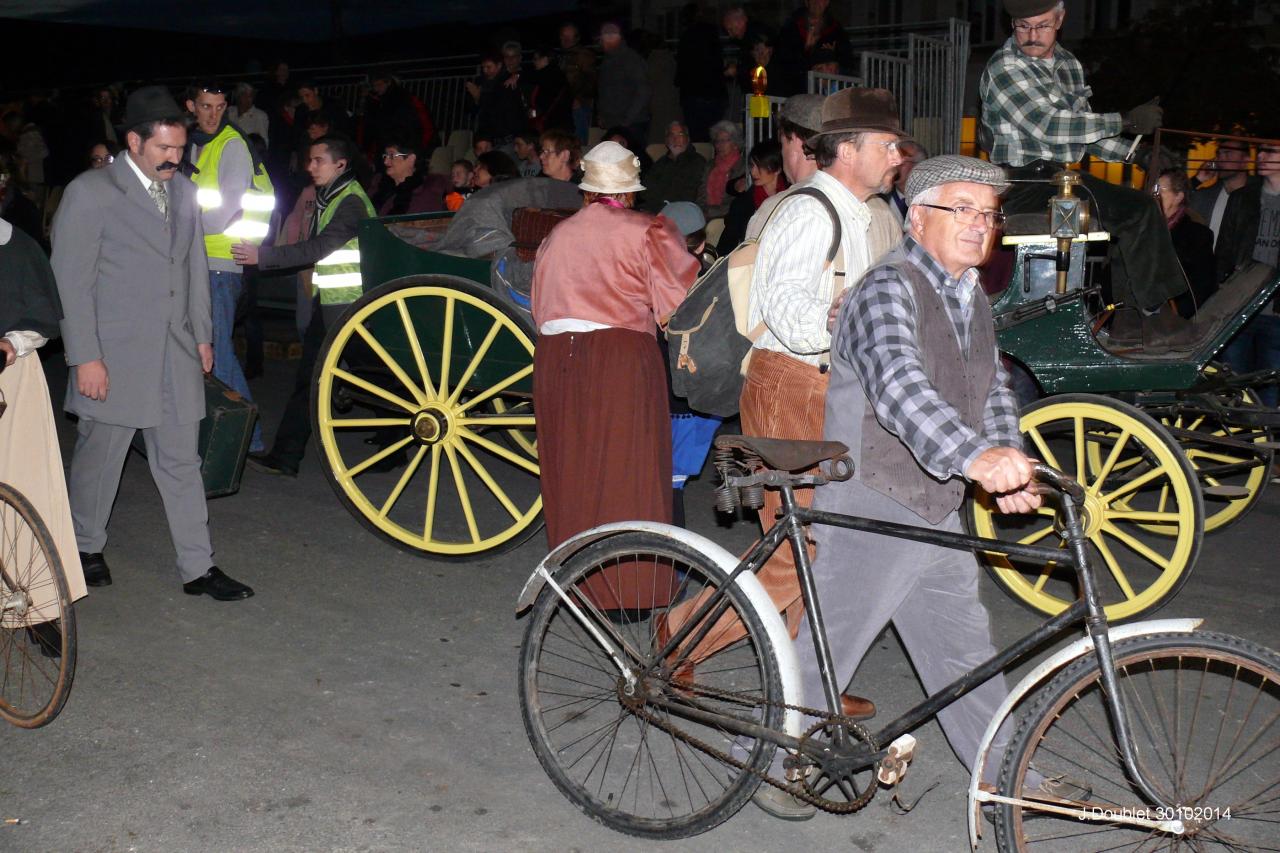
x=920 y=398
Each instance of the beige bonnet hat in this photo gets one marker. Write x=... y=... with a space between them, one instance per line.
x=610 y=169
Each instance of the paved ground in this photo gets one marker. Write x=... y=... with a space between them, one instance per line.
x=365 y=699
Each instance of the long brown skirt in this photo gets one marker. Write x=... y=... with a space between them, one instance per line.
x=604 y=446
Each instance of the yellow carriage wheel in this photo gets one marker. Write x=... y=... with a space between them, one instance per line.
x=412 y=387
x=1221 y=511
x=524 y=439
x=1138 y=570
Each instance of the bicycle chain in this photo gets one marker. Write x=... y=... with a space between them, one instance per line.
x=796 y=790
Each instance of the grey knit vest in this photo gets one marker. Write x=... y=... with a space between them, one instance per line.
x=881 y=460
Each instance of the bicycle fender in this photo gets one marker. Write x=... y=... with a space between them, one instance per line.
x=783 y=647
x=1041 y=673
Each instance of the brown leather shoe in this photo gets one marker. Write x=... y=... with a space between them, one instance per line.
x=857 y=707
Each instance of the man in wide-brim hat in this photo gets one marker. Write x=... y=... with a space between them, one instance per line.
x=1035 y=105
x=920 y=398
x=853 y=139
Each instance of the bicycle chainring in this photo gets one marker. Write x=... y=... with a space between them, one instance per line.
x=823 y=776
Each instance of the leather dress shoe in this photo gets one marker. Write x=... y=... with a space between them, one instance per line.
x=95 y=568
x=215 y=584
x=269 y=463
x=857 y=707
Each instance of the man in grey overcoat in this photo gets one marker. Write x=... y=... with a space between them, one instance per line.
x=128 y=255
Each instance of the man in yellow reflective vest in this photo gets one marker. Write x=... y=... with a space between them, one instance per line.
x=332 y=247
x=236 y=199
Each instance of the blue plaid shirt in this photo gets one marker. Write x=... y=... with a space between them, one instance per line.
x=1038 y=109
x=881 y=342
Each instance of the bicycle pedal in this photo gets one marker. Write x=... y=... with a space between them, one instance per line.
x=894 y=765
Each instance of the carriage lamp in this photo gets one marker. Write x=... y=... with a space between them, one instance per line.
x=759 y=83
x=1068 y=219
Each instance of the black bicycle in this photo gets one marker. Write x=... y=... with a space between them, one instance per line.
x=657 y=680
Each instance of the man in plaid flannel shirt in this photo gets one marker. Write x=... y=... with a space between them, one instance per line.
x=1035 y=104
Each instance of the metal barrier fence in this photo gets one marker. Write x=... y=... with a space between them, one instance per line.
x=927 y=74
x=827 y=84
x=923 y=64
x=439 y=83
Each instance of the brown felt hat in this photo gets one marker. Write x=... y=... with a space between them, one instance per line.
x=1019 y=9
x=860 y=110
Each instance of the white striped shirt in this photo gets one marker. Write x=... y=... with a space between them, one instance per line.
x=791 y=291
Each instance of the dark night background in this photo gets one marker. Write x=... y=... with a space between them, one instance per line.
x=69 y=43
x=1212 y=69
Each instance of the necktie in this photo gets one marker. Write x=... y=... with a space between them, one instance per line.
x=161 y=198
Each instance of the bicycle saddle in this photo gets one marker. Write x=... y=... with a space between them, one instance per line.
x=784 y=454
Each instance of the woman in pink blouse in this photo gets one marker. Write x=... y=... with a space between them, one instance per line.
x=604 y=279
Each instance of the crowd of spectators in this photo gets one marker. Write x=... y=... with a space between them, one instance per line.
x=629 y=83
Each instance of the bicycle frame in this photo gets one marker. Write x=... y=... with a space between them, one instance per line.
x=790 y=526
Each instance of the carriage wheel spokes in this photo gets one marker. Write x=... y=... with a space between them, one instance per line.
x=428 y=370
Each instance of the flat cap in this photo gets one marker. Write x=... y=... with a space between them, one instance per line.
x=804 y=111
x=1018 y=9
x=953 y=168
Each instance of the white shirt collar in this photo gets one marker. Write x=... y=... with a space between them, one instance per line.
x=839 y=193
x=146 y=182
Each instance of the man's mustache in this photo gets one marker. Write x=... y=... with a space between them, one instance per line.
x=166 y=166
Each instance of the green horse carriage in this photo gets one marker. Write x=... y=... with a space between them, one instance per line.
x=1168 y=444
x=423 y=409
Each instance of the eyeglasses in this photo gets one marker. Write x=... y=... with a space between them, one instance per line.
x=103 y=159
x=892 y=145
x=966 y=215
x=548 y=152
x=1028 y=29
x=394 y=155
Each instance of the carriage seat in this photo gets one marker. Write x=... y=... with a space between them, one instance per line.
x=1219 y=311
x=1231 y=297
x=784 y=454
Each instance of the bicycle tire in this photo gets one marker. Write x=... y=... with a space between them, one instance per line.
x=1186 y=695
x=632 y=774
x=34 y=686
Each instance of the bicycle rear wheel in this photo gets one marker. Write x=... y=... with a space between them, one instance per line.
x=1204 y=712
x=37 y=625
x=643 y=765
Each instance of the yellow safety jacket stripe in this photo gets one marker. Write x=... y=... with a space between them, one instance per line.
x=256 y=204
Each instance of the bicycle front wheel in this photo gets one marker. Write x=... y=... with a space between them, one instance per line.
x=1204 y=713
x=649 y=763
x=37 y=625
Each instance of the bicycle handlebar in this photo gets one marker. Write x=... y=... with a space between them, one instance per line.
x=1058 y=480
